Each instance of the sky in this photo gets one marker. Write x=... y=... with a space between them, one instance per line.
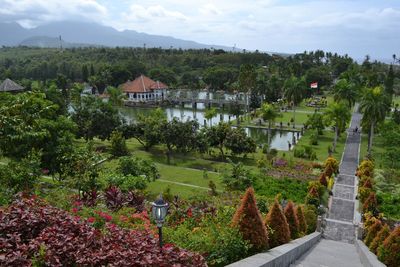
x=354 y=27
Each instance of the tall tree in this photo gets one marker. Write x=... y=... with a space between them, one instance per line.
x=209 y=114
x=247 y=80
x=294 y=91
x=374 y=106
x=269 y=113
x=337 y=114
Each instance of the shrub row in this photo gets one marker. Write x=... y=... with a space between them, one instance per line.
x=378 y=235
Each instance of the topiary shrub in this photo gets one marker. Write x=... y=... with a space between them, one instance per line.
x=302 y=221
x=372 y=232
x=248 y=219
x=310 y=214
x=292 y=220
x=370 y=204
x=389 y=251
x=379 y=238
x=276 y=220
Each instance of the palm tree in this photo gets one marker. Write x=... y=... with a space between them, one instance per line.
x=345 y=90
x=269 y=113
x=294 y=90
x=374 y=105
x=337 y=114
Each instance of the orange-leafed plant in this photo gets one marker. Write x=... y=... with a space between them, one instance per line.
x=276 y=220
x=302 y=220
x=293 y=221
x=372 y=232
x=249 y=221
x=389 y=251
x=379 y=238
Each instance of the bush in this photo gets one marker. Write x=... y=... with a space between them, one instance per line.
x=331 y=166
x=372 y=232
x=314 y=139
x=302 y=220
x=389 y=251
x=30 y=230
x=310 y=214
x=114 y=198
x=239 y=177
x=292 y=220
x=370 y=204
x=323 y=179
x=379 y=238
x=262 y=204
x=363 y=193
x=137 y=167
x=276 y=221
x=248 y=219
x=118 y=144
x=128 y=182
x=212 y=235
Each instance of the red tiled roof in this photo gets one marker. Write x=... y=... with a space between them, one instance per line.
x=142 y=84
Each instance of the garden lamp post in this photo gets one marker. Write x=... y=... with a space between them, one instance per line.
x=159 y=212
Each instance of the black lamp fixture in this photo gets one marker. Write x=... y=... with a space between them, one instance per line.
x=159 y=211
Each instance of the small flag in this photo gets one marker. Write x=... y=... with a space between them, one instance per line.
x=314 y=85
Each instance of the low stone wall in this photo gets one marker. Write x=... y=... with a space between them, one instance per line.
x=281 y=256
x=367 y=258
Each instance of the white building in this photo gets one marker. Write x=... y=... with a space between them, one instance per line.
x=144 y=89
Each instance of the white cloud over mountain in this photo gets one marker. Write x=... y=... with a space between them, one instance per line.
x=356 y=27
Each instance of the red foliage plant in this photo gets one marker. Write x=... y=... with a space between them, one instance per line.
x=29 y=226
x=368 y=183
x=293 y=221
x=372 y=232
x=323 y=179
x=276 y=220
x=370 y=204
x=389 y=251
x=302 y=220
x=249 y=221
x=379 y=238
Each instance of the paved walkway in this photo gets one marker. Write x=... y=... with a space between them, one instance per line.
x=337 y=248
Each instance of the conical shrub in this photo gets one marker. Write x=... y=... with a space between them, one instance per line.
x=389 y=251
x=379 y=238
x=292 y=220
x=302 y=220
x=323 y=179
x=249 y=221
x=372 y=232
x=276 y=220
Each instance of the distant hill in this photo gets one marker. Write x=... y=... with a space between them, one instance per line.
x=50 y=42
x=78 y=34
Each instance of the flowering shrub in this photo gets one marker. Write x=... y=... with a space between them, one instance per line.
x=213 y=236
x=30 y=229
x=280 y=162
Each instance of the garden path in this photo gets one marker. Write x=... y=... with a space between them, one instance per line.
x=337 y=246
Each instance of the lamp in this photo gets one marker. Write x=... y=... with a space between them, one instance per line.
x=159 y=211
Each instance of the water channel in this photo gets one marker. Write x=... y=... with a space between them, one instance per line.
x=279 y=139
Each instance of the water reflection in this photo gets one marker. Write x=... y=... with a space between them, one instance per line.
x=279 y=139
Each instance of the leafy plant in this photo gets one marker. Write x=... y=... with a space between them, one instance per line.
x=248 y=219
x=292 y=220
x=114 y=198
x=389 y=251
x=276 y=221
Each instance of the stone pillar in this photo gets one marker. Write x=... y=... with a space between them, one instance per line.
x=319 y=223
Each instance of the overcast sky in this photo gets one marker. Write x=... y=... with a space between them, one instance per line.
x=356 y=27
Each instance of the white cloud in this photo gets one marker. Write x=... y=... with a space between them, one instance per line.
x=209 y=10
x=138 y=13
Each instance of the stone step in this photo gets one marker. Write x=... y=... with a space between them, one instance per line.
x=344 y=191
x=339 y=231
x=341 y=209
x=345 y=179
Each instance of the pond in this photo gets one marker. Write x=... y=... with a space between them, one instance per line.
x=279 y=139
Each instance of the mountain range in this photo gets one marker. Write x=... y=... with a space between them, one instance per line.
x=83 y=34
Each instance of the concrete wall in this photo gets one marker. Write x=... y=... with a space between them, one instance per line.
x=367 y=258
x=281 y=256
